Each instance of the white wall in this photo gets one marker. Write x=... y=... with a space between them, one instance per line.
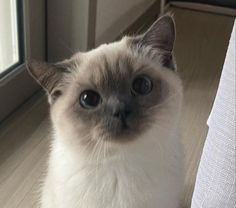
x=114 y=16
x=67 y=28
x=68 y=23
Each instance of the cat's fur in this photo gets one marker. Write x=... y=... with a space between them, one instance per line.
x=94 y=163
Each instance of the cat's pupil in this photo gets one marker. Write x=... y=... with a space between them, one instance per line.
x=142 y=85
x=89 y=99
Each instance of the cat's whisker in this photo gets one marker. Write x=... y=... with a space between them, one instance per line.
x=104 y=150
x=92 y=151
x=89 y=144
x=95 y=150
x=93 y=155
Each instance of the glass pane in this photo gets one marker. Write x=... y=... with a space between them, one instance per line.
x=9 y=47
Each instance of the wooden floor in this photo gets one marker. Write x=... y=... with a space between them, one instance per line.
x=201 y=45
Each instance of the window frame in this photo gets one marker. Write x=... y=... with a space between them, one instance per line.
x=16 y=86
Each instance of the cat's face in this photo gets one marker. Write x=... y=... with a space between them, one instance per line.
x=115 y=92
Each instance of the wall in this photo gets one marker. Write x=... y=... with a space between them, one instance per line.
x=71 y=23
x=67 y=28
x=115 y=16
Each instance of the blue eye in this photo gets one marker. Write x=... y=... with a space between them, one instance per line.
x=89 y=99
x=142 y=85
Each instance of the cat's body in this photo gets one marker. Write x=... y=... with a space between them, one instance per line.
x=126 y=180
x=119 y=146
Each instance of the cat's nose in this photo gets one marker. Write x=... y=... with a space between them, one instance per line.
x=118 y=109
x=121 y=113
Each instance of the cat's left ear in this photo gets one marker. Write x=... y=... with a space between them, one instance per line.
x=158 y=40
x=49 y=76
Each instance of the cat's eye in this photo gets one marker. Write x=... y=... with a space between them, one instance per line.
x=89 y=99
x=142 y=85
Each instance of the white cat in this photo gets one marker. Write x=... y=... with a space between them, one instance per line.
x=115 y=114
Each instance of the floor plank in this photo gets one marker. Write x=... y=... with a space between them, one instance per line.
x=201 y=44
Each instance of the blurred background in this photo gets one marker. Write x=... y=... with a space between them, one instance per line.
x=54 y=30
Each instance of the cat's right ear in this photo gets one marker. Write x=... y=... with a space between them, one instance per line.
x=49 y=76
x=158 y=41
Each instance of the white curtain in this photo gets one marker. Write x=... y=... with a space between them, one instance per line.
x=215 y=184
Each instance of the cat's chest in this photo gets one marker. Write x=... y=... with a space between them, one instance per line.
x=110 y=188
x=136 y=181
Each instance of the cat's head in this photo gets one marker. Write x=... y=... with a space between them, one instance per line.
x=115 y=92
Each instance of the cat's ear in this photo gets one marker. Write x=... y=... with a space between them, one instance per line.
x=161 y=35
x=159 y=39
x=49 y=76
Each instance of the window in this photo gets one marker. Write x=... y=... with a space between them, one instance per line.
x=9 y=35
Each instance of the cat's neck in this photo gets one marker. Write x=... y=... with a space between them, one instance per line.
x=153 y=144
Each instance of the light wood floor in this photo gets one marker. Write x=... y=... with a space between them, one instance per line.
x=201 y=45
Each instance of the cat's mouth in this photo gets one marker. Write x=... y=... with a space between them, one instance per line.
x=117 y=125
x=114 y=128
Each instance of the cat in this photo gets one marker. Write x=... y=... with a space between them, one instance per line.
x=115 y=114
